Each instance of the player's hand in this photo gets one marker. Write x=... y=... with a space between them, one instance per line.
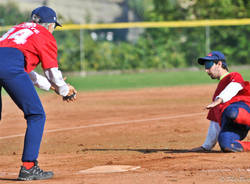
x=214 y=103
x=198 y=149
x=210 y=106
x=71 y=96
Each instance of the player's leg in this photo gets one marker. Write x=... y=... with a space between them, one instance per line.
x=245 y=145
x=21 y=89
x=239 y=112
x=0 y=101
x=23 y=93
x=11 y=63
x=243 y=117
x=230 y=141
x=232 y=133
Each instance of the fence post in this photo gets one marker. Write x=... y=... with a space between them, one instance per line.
x=207 y=44
x=82 y=69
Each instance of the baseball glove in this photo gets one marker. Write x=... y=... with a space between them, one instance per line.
x=71 y=96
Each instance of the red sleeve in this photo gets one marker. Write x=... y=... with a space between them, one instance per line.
x=236 y=77
x=47 y=50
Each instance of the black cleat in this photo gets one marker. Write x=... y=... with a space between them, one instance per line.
x=35 y=173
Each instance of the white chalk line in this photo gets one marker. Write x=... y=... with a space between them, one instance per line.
x=8 y=174
x=237 y=170
x=110 y=124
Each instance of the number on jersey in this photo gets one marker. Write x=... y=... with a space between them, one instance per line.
x=19 y=37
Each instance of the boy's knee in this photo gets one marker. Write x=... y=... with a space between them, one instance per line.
x=36 y=117
x=43 y=116
x=232 y=112
x=223 y=143
x=228 y=145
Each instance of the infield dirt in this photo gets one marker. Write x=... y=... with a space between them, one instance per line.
x=153 y=129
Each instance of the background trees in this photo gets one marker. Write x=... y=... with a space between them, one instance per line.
x=11 y=15
x=156 y=48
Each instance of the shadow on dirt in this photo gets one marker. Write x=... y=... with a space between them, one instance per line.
x=7 y=179
x=146 y=151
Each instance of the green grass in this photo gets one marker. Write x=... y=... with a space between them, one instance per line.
x=144 y=80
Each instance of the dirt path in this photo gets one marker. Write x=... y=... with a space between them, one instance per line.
x=151 y=129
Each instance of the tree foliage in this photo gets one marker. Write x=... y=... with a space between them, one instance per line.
x=230 y=40
x=157 y=47
x=11 y=15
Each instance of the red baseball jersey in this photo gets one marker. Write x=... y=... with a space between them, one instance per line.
x=215 y=113
x=36 y=43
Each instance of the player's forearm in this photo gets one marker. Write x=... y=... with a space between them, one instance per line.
x=55 y=78
x=227 y=94
x=230 y=91
x=212 y=136
x=40 y=81
x=214 y=103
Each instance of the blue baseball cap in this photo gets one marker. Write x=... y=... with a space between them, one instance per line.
x=46 y=15
x=213 y=56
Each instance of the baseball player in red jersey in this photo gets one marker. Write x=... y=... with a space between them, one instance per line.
x=229 y=113
x=22 y=48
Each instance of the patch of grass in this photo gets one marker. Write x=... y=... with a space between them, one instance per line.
x=143 y=80
x=138 y=80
